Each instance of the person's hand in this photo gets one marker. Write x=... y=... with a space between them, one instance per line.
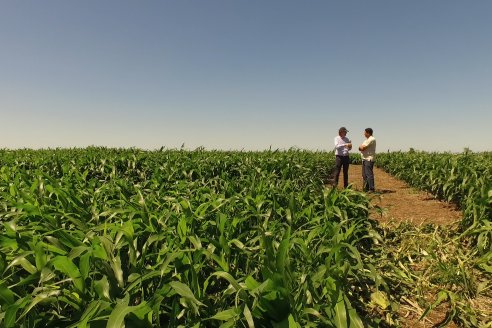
x=349 y=145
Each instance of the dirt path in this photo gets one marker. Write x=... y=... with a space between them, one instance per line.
x=396 y=201
x=399 y=202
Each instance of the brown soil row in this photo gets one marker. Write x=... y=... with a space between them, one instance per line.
x=396 y=201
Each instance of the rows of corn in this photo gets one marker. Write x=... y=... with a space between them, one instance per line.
x=105 y=238
x=446 y=269
x=464 y=179
x=102 y=237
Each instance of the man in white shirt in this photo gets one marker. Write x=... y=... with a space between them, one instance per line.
x=368 y=153
x=342 y=147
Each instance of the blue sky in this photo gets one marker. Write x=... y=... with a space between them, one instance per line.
x=227 y=74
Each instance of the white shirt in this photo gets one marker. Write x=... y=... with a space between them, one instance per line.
x=340 y=148
x=369 y=153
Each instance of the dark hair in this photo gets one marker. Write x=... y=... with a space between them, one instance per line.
x=369 y=130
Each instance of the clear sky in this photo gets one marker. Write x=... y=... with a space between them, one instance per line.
x=246 y=74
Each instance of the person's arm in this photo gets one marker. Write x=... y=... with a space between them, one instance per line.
x=365 y=144
x=340 y=143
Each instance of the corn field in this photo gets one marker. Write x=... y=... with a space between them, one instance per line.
x=107 y=238
x=102 y=237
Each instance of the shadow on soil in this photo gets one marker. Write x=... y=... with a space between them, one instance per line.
x=385 y=191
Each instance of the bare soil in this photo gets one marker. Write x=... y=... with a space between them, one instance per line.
x=396 y=201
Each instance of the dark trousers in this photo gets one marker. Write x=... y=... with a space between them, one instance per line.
x=341 y=161
x=368 y=175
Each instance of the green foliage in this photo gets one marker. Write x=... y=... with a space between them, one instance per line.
x=110 y=237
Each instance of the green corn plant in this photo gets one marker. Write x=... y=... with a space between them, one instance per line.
x=111 y=237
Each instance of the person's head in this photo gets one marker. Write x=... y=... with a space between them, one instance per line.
x=368 y=132
x=342 y=131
